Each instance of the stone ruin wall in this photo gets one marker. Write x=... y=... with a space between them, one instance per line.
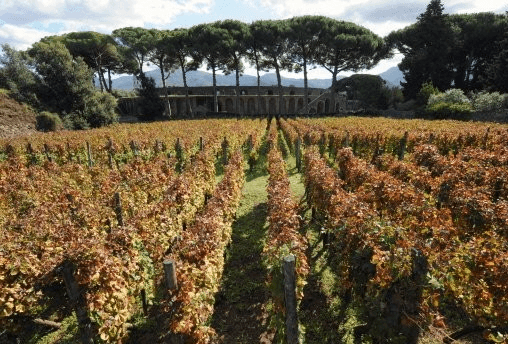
x=250 y=104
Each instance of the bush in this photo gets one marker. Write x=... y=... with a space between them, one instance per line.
x=453 y=96
x=100 y=110
x=489 y=102
x=48 y=121
x=75 y=122
x=425 y=92
x=441 y=110
x=450 y=104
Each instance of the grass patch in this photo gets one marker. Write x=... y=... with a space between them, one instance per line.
x=239 y=306
x=67 y=334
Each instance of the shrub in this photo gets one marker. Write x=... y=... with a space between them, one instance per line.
x=442 y=110
x=450 y=104
x=425 y=92
x=100 y=110
x=75 y=122
x=48 y=121
x=453 y=95
x=489 y=102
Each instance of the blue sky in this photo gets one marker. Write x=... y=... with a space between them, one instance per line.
x=24 y=22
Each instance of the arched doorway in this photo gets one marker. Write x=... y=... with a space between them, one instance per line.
x=242 y=106
x=262 y=106
x=272 y=107
x=251 y=107
x=320 y=107
x=230 y=108
x=292 y=107
x=300 y=104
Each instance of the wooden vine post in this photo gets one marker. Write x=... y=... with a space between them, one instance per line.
x=431 y=139
x=110 y=160
x=69 y=152
x=89 y=154
x=33 y=159
x=118 y=209
x=201 y=143
x=143 y=302
x=402 y=146
x=46 y=151
x=179 y=155
x=78 y=303
x=250 y=143
x=156 y=147
x=134 y=148
x=485 y=139
x=288 y=268
x=170 y=274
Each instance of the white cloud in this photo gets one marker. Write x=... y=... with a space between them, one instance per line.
x=290 y=8
x=23 y=22
x=96 y=15
x=380 y=16
x=383 y=29
x=20 y=38
x=474 y=6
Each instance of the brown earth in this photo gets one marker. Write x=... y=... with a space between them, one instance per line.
x=15 y=118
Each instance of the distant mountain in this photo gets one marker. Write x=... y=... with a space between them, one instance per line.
x=393 y=76
x=200 y=78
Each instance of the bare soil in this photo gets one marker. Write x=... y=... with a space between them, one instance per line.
x=15 y=118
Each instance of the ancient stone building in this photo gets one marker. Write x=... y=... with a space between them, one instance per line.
x=201 y=100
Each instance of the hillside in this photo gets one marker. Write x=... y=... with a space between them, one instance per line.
x=393 y=76
x=200 y=78
x=15 y=118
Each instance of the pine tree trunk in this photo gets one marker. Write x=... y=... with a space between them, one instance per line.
x=279 y=84
x=305 y=86
x=238 y=91
x=215 y=102
x=166 y=99
x=187 y=102
x=259 y=85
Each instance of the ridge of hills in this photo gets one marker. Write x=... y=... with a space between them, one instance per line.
x=393 y=76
